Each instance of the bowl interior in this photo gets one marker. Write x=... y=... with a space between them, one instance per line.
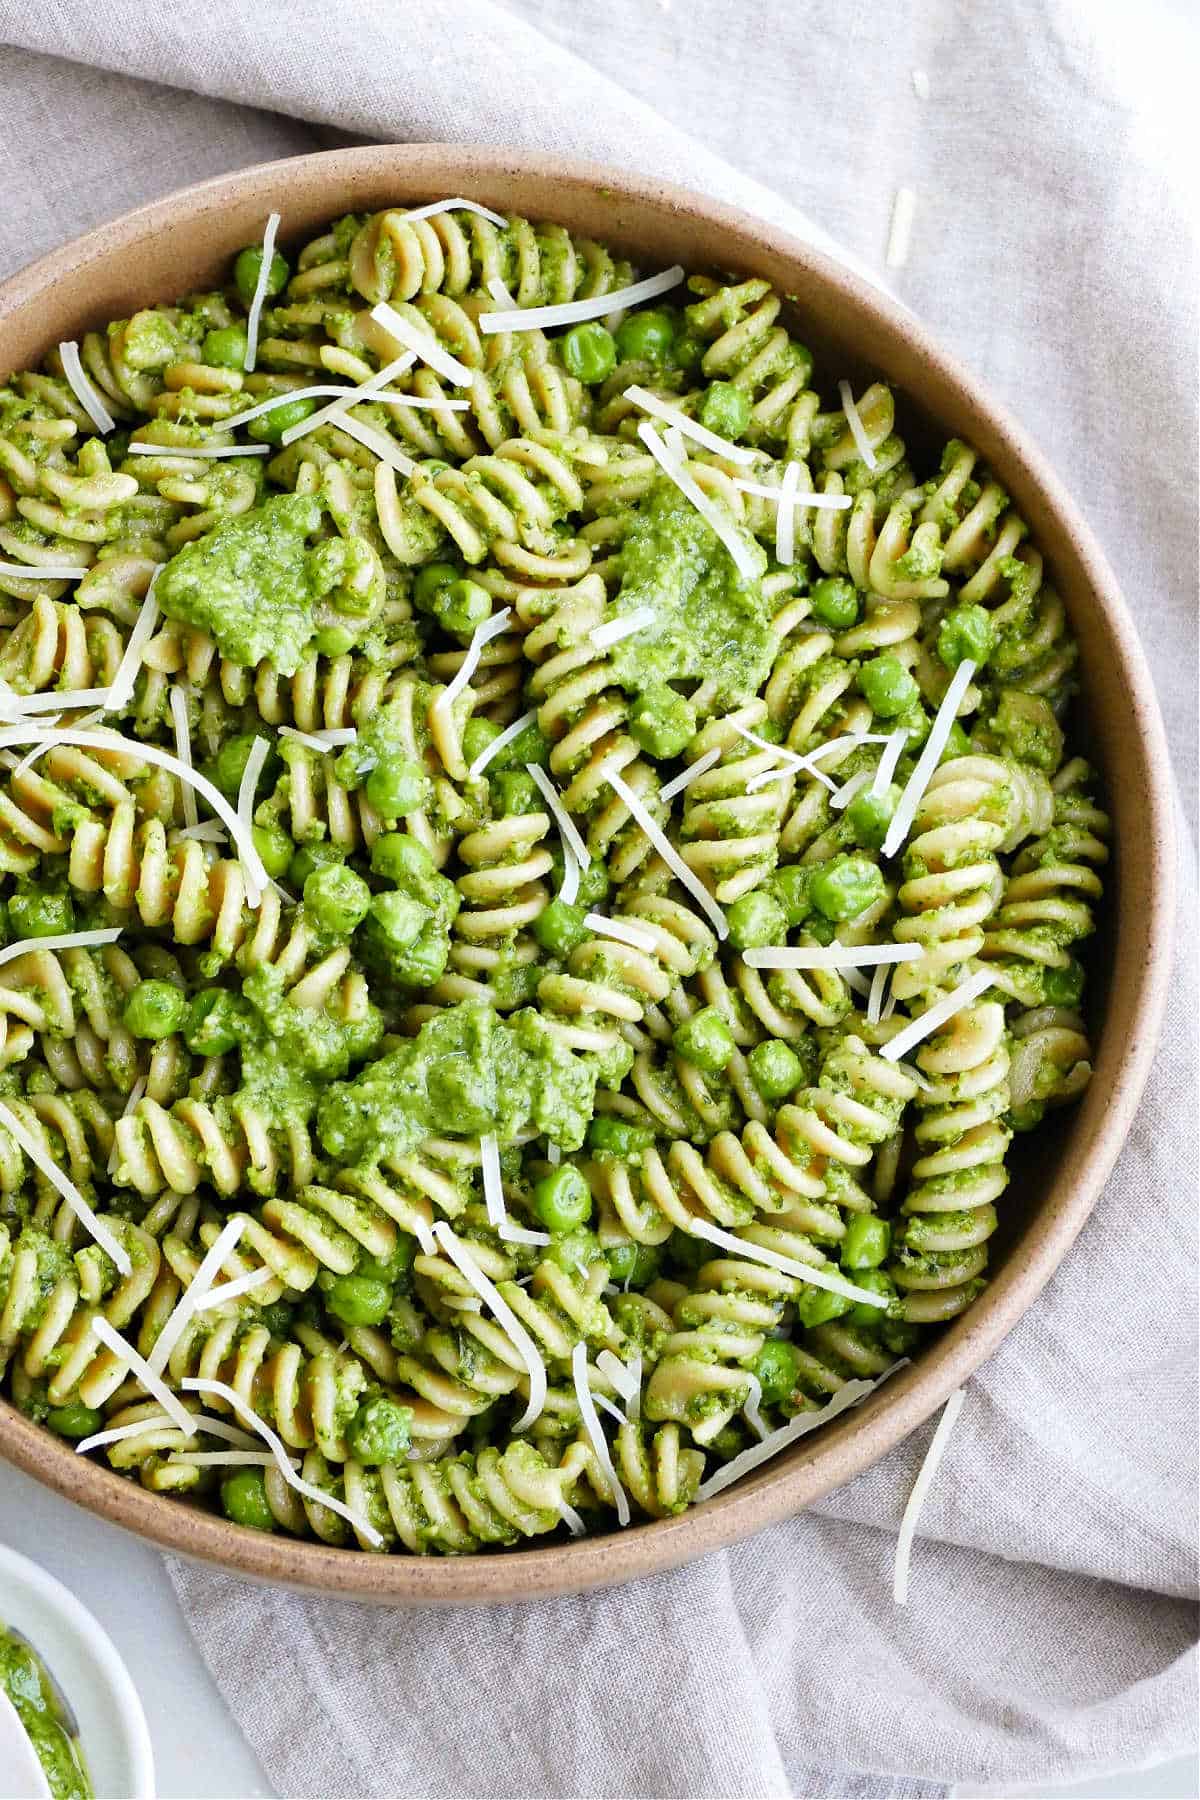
x=185 y=242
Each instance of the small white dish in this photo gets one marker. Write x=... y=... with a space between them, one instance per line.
x=85 y=1664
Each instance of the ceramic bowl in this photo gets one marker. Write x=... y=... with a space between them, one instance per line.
x=185 y=241
x=84 y=1663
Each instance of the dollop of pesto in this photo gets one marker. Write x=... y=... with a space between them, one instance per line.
x=710 y=622
x=469 y=1073
x=25 y=1681
x=255 y=584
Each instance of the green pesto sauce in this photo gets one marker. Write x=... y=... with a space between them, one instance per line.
x=28 y=1686
x=709 y=623
x=247 y=582
x=469 y=1074
x=289 y=1051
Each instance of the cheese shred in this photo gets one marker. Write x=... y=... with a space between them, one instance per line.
x=63 y=1185
x=507 y=1319
x=591 y=1424
x=260 y=293
x=921 y=1487
x=573 y=312
x=83 y=390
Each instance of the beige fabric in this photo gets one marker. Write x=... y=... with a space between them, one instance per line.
x=1050 y=1624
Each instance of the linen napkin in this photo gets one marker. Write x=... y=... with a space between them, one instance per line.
x=1050 y=1628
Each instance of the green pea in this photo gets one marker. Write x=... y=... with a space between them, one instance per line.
x=790 y=887
x=393 y=1268
x=662 y=722
x=845 y=887
x=775 y=1069
x=705 y=1039
x=816 y=1306
x=589 y=353
x=244 y=1500
x=229 y=764
x=957 y=744
x=562 y=1200
x=269 y=427
x=866 y=1243
x=212 y=1024
x=463 y=607
x=400 y=918
x=154 y=1009
x=317 y=855
x=477 y=735
x=687 y=352
x=875 y=1282
x=646 y=336
x=32 y=915
x=275 y=847
x=888 y=687
x=226 y=347
x=399 y=857
x=965 y=634
x=618 y=1137
x=75 y=1420
x=1063 y=987
x=634 y=1265
x=380 y=1431
x=397 y=787
x=246 y=271
x=835 y=602
x=756 y=920
x=514 y=792
x=559 y=927
x=725 y=409
x=334 y=640
x=357 y=1300
x=777 y=1367
x=869 y=815
x=337 y=899
x=430 y=583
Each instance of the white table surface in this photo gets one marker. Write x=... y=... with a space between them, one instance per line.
x=199 y=1752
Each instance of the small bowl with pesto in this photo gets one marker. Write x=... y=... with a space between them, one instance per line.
x=71 y=1724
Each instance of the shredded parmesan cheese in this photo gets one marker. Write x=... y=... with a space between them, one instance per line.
x=124 y=681
x=16 y=706
x=493 y=1190
x=936 y=1015
x=893 y=750
x=903 y=211
x=324 y=742
x=927 y=762
x=701 y=766
x=483 y=634
x=201 y=450
x=591 y=1424
x=66 y=1187
x=440 y=206
x=200 y=1422
x=260 y=292
x=375 y=388
x=183 y=749
x=752 y=1412
x=44 y=571
x=234 y=1459
x=377 y=442
x=790 y=761
x=135 y=1094
x=572 y=312
x=603 y=636
x=524 y=1345
x=571 y=1519
x=198 y=1385
x=208 y=832
x=921 y=1487
x=625 y=1377
x=621 y=930
x=149 y=1378
x=575 y=852
x=862 y=442
x=785 y=517
x=260 y=749
x=233 y=1290
x=879 y=983
x=671 y=415
x=771 y=1259
x=669 y=854
x=520 y=1234
x=848 y=1395
x=195 y=1291
x=832 y=502
x=65 y=940
x=498 y=743
x=83 y=390
x=675 y=467
x=423 y=343
x=850 y=789
x=830 y=956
